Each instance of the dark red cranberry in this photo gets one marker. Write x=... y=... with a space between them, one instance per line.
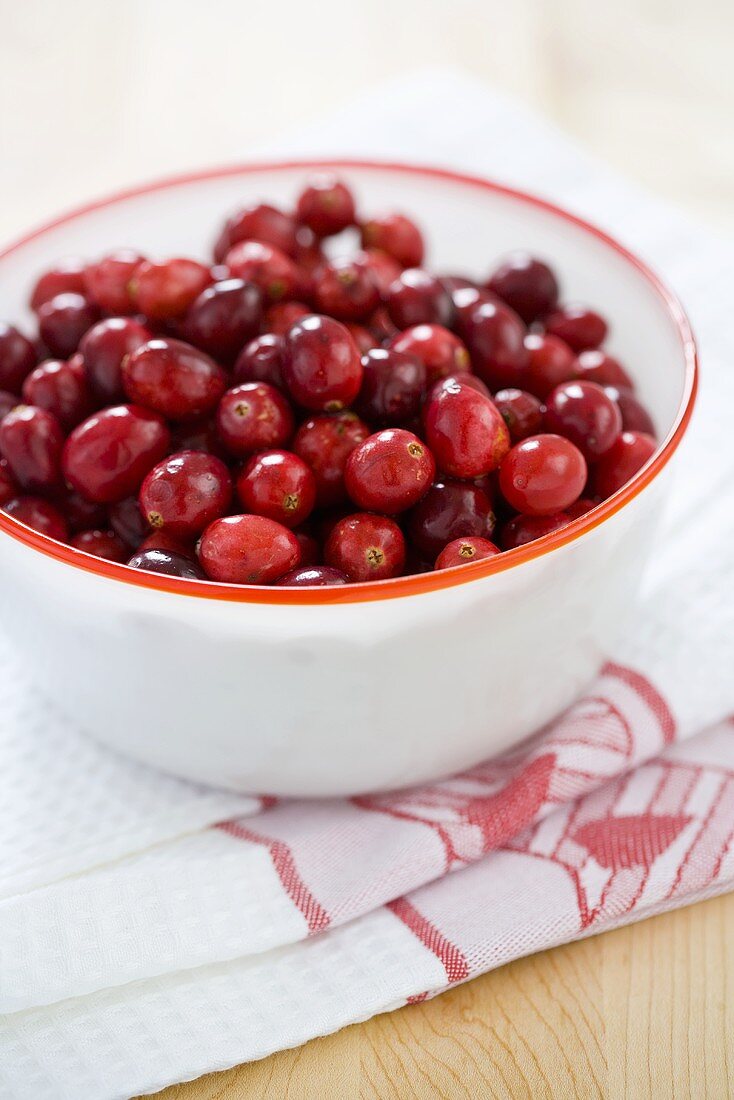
x=628 y=454
x=635 y=417
x=247 y=550
x=393 y=384
x=31 y=440
x=417 y=298
x=389 y=472
x=521 y=412
x=262 y=223
x=173 y=378
x=223 y=318
x=383 y=268
x=80 y=514
x=186 y=492
x=279 y=485
x=524 y=529
x=108 y=282
x=464 y=551
x=102 y=544
x=449 y=510
x=542 y=474
x=39 y=514
x=8 y=401
x=261 y=361
x=164 y=289
x=107 y=456
x=362 y=337
x=168 y=563
x=396 y=235
x=17 y=358
x=8 y=486
x=457 y=282
x=345 y=289
x=325 y=443
x=494 y=335
x=267 y=267
x=309 y=547
x=199 y=436
x=312 y=576
x=578 y=326
x=281 y=316
x=63 y=320
x=584 y=414
x=366 y=547
x=381 y=327
x=526 y=284
x=127 y=521
x=326 y=206
x=253 y=417
x=465 y=431
x=309 y=253
x=321 y=364
x=466 y=298
x=580 y=507
x=549 y=362
x=441 y=352
x=61 y=388
x=104 y=347
x=596 y=366
x=67 y=277
x=162 y=540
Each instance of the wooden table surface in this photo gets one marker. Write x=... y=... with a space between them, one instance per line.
x=644 y=1011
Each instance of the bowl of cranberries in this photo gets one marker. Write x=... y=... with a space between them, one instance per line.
x=322 y=478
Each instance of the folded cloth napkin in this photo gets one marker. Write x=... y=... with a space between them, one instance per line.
x=152 y=930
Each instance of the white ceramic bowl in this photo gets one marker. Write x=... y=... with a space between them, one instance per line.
x=335 y=691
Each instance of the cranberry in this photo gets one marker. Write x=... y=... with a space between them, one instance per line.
x=68 y=277
x=223 y=318
x=8 y=401
x=31 y=440
x=252 y=417
x=465 y=431
x=494 y=335
x=326 y=206
x=550 y=362
x=362 y=337
x=312 y=576
x=261 y=361
x=173 y=378
x=168 y=563
x=441 y=352
x=61 y=388
x=279 y=485
x=381 y=326
x=309 y=547
x=63 y=320
x=449 y=510
x=396 y=235
x=17 y=358
x=389 y=472
x=201 y=436
x=325 y=443
x=542 y=474
x=104 y=347
x=346 y=290
x=580 y=507
x=102 y=544
x=184 y=493
x=383 y=268
x=578 y=326
x=321 y=364
x=262 y=223
x=466 y=298
x=635 y=417
x=281 y=316
x=457 y=282
x=248 y=550
x=267 y=267
x=393 y=384
x=463 y=551
x=584 y=414
x=526 y=284
x=107 y=456
x=127 y=521
x=524 y=529
x=8 y=487
x=417 y=298
x=164 y=289
x=628 y=454
x=466 y=379
x=366 y=547
x=80 y=514
x=162 y=540
x=39 y=514
x=108 y=282
x=596 y=366
x=521 y=412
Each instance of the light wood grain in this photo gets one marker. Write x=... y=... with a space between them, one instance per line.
x=643 y=1012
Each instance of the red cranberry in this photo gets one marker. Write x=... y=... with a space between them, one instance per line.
x=325 y=443
x=8 y=401
x=596 y=366
x=164 y=289
x=463 y=551
x=102 y=544
x=366 y=548
x=282 y=316
x=162 y=540
x=17 y=358
x=381 y=326
x=362 y=337
x=393 y=384
x=173 y=378
x=578 y=326
x=247 y=550
x=441 y=352
x=223 y=318
x=168 y=563
x=8 y=487
x=396 y=235
x=465 y=431
x=580 y=507
x=261 y=361
x=267 y=267
x=449 y=510
x=262 y=223
x=494 y=335
x=524 y=529
x=543 y=474
x=466 y=379
x=417 y=298
x=107 y=456
x=309 y=547
x=199 y=436
x=63 y=320
x=584 y=414
x=252 y=417
x=80 y=514
x=184 y=493
x=389 y=472
x=279 y=485
x=635 y=417
x=60 y=388
x=104 y=347
x=527 y=285
x=549 y=363
x=108 y=282
x=457 y=282
x=346 y=290
x=68 y=277
x=521 y=412
x=312 y=576
x=628 y=454
x=127 y=521
x=321 y=364
x=326 y=206
x=39 y=514
x=383 y=268
x=466 y=298
x=31 y=440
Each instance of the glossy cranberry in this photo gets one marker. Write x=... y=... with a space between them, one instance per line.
x=494 y=335
x=8 y=486
x=186 y=492
x=521 y=412
x=549 y=362
x=201 y=435
x=326 y=206
x=223 y=318
x=102 y=544
x=389 y=472
x=162 y=540
x=524 y=529
x=381 y=327
x=104 y=347
x=17 y=358
x=164 y=289
x=279 y=485
x=580 y=507
x=464 y=551
x=366 y=547
x=267 y=267
x=262 y=223
x=61 y=388
x=253 y=417
x=8 y=401
x=441 y=352
x=168 y=563
x=465 y=431
x=628 y=454
x=579 y=326
x=107 y=456
x=466 y=298
x=281 y=316
x=63 y=320
x=526 y=284
x=417 y=298
x=449 y=510
x=127 y=521
x=108 y=282
x=321 y=364
x=31 y=440
x=585 y=414
x=383 y=268
x=543 y=474
x=247 y=550
x=393 y=384
x=309 y=547
x=345 y=289
x=635 y=417
x=325 y=443
x=457 y=282
x=362 y=337
x=261 y=361
x=312 y=576
x=466 y=378
x=173 y=378
x=398 y=236
x=39 y=514
x=596 y=366
x=67 y=277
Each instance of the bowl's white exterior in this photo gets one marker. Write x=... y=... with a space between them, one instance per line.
x=344 y=698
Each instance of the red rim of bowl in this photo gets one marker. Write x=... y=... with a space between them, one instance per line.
x=421 y=582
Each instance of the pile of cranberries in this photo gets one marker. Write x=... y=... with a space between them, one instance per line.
x=289 y=416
